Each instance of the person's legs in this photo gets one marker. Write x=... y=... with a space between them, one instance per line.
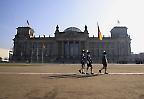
x=87 y=68
x=82 y=68
x=105 y=67
x=105 y=70
x=101 y=69
x=91 y=69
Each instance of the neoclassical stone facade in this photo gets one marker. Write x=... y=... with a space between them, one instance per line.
x=66 y=46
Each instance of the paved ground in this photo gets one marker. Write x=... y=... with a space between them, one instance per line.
x=33 y=73
x=62 y=81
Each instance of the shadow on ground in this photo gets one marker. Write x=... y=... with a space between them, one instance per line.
x=58 y=76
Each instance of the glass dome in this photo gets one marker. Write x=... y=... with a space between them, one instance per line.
x=72 y=29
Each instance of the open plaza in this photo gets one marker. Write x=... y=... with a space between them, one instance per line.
x=63 y=81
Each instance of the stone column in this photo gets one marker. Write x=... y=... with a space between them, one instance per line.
x=62 y=49
x=68 y=49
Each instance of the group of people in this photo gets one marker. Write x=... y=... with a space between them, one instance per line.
x=86 y=59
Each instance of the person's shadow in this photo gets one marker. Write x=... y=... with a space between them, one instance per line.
x=58 y=76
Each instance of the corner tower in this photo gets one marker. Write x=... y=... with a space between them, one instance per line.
x=122 y=44
x=21 y=43
x=118 y=31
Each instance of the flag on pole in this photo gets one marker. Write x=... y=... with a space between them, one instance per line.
x=99 y=33
x=118 y=22
x=27 y=22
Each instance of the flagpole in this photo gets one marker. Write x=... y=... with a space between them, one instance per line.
x=100 y=37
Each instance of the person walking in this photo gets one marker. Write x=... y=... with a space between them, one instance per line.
x=89 y=63
x=104 y=62
x=83 y=61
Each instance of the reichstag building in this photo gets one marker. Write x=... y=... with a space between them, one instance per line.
x=66 y=46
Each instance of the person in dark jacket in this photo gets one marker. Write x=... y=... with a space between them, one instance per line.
x=89 y=63
x=104 y=62
x=83 y=61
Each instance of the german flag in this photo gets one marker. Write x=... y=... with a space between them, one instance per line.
x=99 y=33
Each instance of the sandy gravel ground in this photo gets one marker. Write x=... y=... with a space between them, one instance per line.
x=70 y=86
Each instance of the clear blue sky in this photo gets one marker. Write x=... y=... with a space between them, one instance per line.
x=44 y=15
